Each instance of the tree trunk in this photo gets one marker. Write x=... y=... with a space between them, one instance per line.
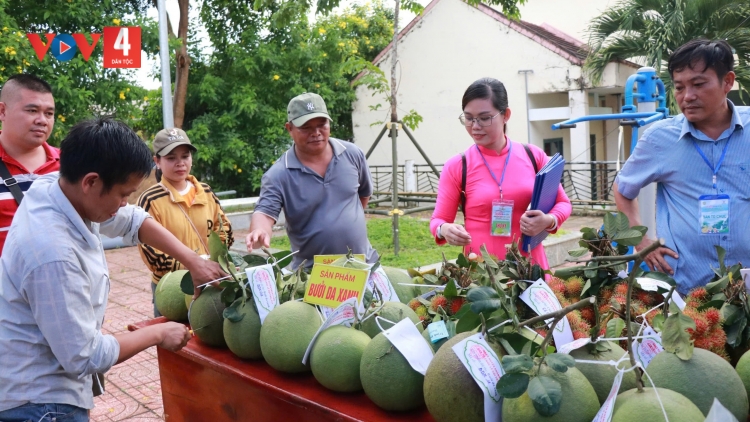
x=394 y=60
x=183 y=67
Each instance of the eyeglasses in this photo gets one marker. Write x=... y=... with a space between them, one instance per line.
x=483 y=121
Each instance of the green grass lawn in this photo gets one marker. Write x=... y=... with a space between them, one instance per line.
x=417 y=246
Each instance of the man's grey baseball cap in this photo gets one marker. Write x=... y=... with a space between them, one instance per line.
x=304 y=107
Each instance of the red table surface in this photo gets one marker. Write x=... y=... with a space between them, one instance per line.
x=201 y=383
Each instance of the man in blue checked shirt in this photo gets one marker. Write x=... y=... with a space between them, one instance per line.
x=700 y=161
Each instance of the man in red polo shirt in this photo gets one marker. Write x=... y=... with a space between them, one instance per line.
x=27 y=113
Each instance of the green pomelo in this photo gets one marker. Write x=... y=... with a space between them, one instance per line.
x=632 y=406
x=336 y=356
x=188 y=301
x=243 y=336
x=207 y=319
x=579 y=401
x=701 y=378
x=393 y=312
x=743 y=369
x=286 y=333
x=435 y=346
x=450 y=392
x=169 y=296
x=388 y=379
x=602 y=377
x=396 y=276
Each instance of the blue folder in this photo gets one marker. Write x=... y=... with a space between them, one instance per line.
x=544 y=197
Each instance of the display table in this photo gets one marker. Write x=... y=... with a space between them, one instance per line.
x=204 y=384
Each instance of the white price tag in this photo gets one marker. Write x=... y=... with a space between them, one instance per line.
x=379 y=279
x=651 y=284
x=325 y=311
x=437 y=331
x=342 y=315
x=719 y=413
x=542 y=300
x=484 y=366
x=573 y=345
x=648 y=348
x=605 y=412
x=676 y=299
x=263 y=285
x=407 y=339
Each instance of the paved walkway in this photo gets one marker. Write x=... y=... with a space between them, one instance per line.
x=133 y=391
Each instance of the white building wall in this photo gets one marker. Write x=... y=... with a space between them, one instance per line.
x=453 y=45
x=569 y=16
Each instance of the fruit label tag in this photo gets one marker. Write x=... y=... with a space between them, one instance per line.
x=573 y=345
x=330 y=285
x=542 y=300
x=437 y=331
x=407 y=339
x=325 y=311
x=342 y=315
x=327 y=259
x=651 y=284
x=484 y=366
x=676 y=299
x=263 y=285
x=379 y=279
x=648 y=348
x=719 y=413
x=605 y=412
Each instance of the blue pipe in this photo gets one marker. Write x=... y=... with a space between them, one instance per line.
x=617 y=116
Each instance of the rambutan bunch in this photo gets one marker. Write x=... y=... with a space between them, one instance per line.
x=574 y=288
x=438 y=301
x=697 y=297
x=708 y=333
x=578 y=325
x=455 y=305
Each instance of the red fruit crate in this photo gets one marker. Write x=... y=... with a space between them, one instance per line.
x=200 y=384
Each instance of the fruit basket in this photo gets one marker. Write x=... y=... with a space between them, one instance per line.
x=200 y=383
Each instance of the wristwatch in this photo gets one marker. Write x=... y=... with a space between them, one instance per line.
x=439 y=233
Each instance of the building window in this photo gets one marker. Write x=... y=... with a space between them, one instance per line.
x=553 y=146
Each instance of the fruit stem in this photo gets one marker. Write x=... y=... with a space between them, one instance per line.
x=597 y=322
x=631 y=279
x=559 y=313
x=666 y=301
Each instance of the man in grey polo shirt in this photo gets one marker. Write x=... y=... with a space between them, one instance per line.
x=321 y=183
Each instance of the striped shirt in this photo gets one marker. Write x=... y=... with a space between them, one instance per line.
x=24 y=177
x=666 y=155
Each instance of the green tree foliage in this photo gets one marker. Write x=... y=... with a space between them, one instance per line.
x=648 y=31
x=237 y=94
x=81 y=88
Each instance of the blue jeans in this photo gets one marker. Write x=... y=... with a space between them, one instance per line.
x=33 y=412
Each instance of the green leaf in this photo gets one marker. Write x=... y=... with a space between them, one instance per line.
x=232 y=312
x=483 y=299
x=610 y=224
x=722 y=254
x=229 y=295
x=586 y=287
x=186 y=284
x=718 y=285
x=560 y=362
x=734 y=332
x=468 y=322
x=465 y=308
x=254 y=260
x=545 y=394
x=621 y=222
x=642 y=229
x=730 y=313
x=450 y=291
x=461 y=261
x=615 y=327
x=517 y=363
x=431 y=279
x=216 y=247
x=512 y=386
x=488 y=260
x=578 y=252
x=675 y=337
x=717 y=304
x=628 y=237
x=658 y=322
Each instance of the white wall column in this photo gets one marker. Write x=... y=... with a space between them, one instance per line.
x=578 y=101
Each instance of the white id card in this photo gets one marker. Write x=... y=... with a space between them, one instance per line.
x=713 y=214
x=502 y=217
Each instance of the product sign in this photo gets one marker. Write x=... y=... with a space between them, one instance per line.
x=542 y=300
x=263 y=285
x=649 y=347
x=484 y=366
x=343 y=315
x=327 y=259
x=330 y=286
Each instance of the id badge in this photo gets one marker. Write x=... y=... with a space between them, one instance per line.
x=713 y=214
x=502 y=216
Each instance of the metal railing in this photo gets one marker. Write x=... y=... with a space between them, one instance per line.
x=586 y=183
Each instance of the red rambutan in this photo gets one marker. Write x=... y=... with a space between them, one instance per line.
x=456 y=305
x=438 y=301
